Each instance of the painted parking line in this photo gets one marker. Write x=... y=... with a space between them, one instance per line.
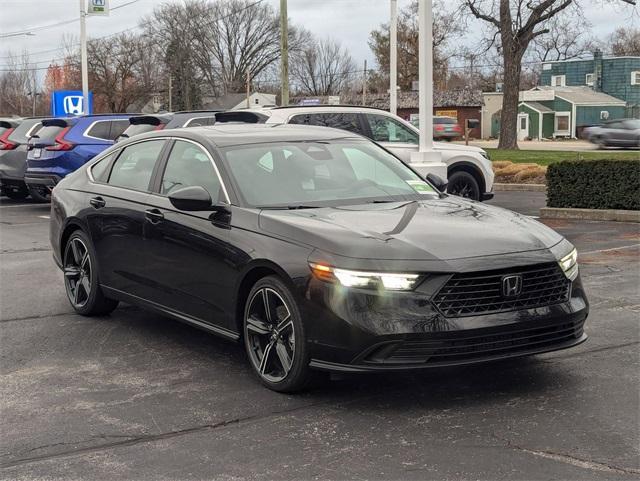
x=44 y=216
x=609 y=250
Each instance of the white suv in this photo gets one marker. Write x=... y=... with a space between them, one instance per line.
x=468 y=168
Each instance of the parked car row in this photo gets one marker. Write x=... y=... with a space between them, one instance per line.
x=37 y=152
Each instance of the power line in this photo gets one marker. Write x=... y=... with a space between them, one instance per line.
x=57 y=24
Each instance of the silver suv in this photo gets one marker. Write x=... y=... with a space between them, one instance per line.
x=468 y=168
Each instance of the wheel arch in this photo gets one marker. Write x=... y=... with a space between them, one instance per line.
x=470 y=168
x=69 y=228
x=253 y=272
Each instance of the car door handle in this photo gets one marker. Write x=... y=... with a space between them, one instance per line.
x=97 y=202
x=153 y=215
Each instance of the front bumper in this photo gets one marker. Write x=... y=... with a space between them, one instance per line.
x=356 y=331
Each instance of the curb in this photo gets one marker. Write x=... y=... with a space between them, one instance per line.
x=590 y=214
x=497 y=187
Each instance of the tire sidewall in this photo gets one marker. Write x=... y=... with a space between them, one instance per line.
x=297 y=376
x=470 y=179
x=88 y=306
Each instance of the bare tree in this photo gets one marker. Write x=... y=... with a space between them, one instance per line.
x=625 y=41
x=18 y=85
x=324 y=67
x=568 y=38
x=515 y=23
x=446 y=27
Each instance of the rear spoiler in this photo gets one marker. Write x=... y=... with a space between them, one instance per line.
x=56 y=122
x=8 y=124
x=241 y=117
x=149 y=119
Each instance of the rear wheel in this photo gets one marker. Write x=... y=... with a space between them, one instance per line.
x=81 y=278
x=274 y=336
x=39 y=193
x=463 y=184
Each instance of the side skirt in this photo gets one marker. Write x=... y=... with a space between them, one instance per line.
x=178 y=316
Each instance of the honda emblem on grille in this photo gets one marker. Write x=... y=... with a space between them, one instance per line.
x=511 y=286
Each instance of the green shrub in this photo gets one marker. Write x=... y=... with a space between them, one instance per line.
x=597 y=184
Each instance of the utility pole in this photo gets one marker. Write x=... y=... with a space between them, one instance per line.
x=170 y=92
x=364 y=85
x=284 y=53
x=426 y=160
x=34 y=94
x=83 y=57
x=248 y=87
x=393 y=59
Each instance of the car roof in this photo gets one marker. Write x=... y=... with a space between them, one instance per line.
x=227 y=135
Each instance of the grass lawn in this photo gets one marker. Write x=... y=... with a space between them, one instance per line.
x=546 y=157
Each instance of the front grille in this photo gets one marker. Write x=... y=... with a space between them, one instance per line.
x=463 y=346
x=478 y=293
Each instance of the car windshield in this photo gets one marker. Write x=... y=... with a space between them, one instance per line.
x=321 y=173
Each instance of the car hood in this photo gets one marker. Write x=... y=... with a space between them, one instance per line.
x=438 y=229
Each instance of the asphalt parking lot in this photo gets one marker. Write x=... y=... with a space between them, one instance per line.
x=137 y=396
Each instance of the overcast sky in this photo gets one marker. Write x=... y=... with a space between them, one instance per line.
x=348 y=21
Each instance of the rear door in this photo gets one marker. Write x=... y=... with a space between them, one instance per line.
x=190 y=258
x=117 y=216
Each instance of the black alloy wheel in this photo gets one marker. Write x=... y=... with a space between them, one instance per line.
x=81 y=278
x=463 y=184
x=274 y=337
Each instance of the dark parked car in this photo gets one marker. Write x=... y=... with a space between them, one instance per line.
x=63 y=145
x=316 y=248
x=615 y=133
x=141 y=124
x=14 y=135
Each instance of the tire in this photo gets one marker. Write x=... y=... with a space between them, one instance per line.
x=280 y=335
x=81 y=277
x=600 y=142
x=20 y=194
x=39 y=193
x=463 y=184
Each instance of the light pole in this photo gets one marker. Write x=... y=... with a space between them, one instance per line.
x=426 y=160
x=83 y=57
x=284 y=53
x=393 y=58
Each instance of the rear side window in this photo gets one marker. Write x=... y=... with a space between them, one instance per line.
x=135 y=164
x=200 y=121
x=100 y=170
x=99 y=130
x=339 y=120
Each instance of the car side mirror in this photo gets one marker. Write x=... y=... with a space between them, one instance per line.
x=438 y=182
x=191 y=198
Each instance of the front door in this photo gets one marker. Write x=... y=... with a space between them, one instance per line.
x=523 y=126
x=191 y=260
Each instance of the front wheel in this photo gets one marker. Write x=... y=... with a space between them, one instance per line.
x=463 y=184
x=274 y=336
x=81 y=278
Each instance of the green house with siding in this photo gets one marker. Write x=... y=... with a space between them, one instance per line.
x=615 y=76
x=547 y=112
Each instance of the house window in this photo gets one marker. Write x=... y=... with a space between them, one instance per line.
x=558 y=80
x=562 y=123
x=635 y=77
x=604 y=114
x=588 y=79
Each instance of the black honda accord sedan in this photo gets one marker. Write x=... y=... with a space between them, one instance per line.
x=314 y=247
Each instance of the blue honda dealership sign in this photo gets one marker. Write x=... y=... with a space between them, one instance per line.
x=69 y=102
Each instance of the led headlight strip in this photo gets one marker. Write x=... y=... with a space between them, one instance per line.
x=348 y=278
x=569 y=264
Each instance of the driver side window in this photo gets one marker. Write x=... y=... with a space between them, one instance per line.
x=188 y=165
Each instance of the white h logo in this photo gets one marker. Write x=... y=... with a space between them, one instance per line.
x=73 y=105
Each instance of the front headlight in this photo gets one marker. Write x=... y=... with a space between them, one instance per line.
x=569 y=264
x=371 y=280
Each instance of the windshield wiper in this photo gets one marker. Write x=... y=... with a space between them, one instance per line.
x=289 y=207
x=296 y=207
